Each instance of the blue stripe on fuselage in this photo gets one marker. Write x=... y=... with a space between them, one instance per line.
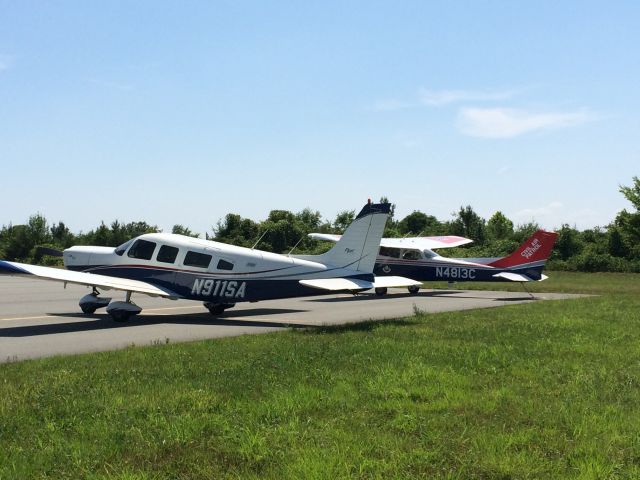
x=211 y=288
x=453 y=272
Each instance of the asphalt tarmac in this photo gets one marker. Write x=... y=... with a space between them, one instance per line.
x=41 y=319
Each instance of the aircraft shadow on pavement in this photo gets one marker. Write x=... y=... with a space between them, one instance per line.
x=390 y=296
x=103 y=322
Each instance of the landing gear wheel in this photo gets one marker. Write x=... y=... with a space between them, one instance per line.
x=381 y=291
x=413 y=289
x=87 y=309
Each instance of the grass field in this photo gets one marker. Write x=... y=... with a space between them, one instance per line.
x=542 y=390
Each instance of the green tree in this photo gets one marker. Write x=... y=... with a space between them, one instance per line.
x=419 y=223
x=235 y=230
x=568 y=243
x=499 y=227
x=182 y=230
x=469 y=224
x=62 y=236
x=343 y=220
x=632 y=193
x=615 y=243
x=628 y=223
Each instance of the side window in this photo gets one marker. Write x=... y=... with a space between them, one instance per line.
x=167 y=254
x=195 y=259
x=412 y=255
x=224 y=265
x=142 y=249
x=389 y=252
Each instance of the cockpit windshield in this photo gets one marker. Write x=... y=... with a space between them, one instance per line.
x=123 y=248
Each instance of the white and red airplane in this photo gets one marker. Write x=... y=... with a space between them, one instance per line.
x=220 y=275
x=414 y=258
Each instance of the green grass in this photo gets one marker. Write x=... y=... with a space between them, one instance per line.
x=542 y=390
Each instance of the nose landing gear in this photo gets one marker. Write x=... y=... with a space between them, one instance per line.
x=218 y=308
x=91 y=302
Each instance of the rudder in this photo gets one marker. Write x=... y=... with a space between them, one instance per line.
x=536 y=248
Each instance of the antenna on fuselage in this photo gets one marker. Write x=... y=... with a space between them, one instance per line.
x=294 y=247
x=261 y=237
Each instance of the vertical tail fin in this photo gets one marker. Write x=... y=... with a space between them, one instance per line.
x=358 y=247
x=536 y=248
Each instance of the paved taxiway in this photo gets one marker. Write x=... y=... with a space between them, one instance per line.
x=39 y=318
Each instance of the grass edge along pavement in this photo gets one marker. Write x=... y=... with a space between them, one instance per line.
x=542 y=390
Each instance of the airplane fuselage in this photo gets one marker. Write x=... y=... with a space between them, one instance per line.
x=451 y=269
x=204 y=270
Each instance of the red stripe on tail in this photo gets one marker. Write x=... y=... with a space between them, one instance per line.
x=535 y=248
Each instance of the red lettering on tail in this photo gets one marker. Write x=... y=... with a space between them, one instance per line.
x=535 y=248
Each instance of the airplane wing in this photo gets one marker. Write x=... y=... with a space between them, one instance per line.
x=337 y=284
x=390 y=282
x=518 y=277
x=325 y=236
x=425 y=243
x=418 y=243
x=81 y=278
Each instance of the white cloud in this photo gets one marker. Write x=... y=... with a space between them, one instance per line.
x=555 y=214
x=508 y=122
x=528 y=214
x=444 y=97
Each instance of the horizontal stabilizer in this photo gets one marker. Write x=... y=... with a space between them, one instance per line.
x=83 y=278
x=338 y=284
x=518 y=277
x=390 y=282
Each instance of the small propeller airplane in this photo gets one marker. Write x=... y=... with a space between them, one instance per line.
x=414 y=258
x=219 y=275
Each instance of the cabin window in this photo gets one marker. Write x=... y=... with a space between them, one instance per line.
x=195 y=259
x=389 y=252
x=412 y=255
x=224 y=265
x=123 y=248
x=167 y=254
x=142 y=249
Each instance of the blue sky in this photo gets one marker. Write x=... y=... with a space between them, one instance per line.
x=180 y=112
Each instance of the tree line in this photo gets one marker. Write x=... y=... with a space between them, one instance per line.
x=615 y=247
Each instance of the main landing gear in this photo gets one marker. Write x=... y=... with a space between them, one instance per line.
x=413 y=289
x=118 y=311
x=218 y=308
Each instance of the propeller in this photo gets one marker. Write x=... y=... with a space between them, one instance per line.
x=52 y=252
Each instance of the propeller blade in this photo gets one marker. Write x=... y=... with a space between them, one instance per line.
x=52 y=252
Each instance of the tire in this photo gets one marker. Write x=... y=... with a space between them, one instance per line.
x=413 y=289
x=381 y=291
x=88 y=310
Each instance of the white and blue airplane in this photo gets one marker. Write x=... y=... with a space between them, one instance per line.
x=219 y=275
